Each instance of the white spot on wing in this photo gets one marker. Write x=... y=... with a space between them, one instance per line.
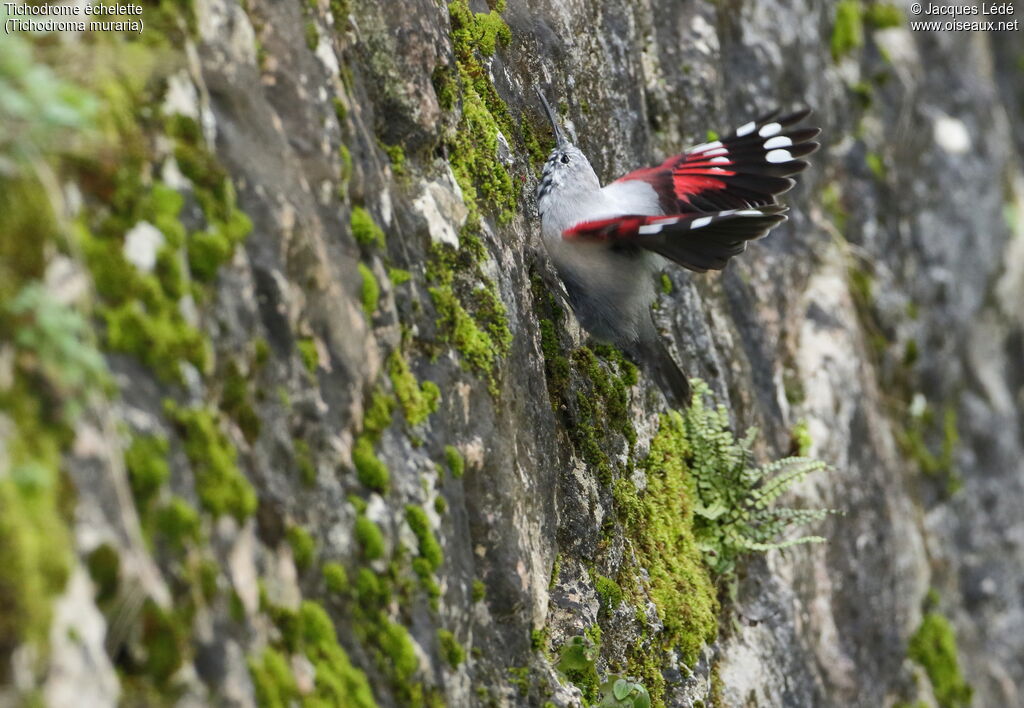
x=779 y=141
x=745 y=129
x=719 y=159
x=715 y=153
x=701 y=222
x=769 y=129
x=649 y=229
x=776 y=156
x=749 y=212
x=706 y=146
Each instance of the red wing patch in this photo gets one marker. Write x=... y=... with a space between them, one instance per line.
x=697 y=241
x=748 y=168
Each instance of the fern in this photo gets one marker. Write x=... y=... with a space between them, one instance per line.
x=734 y=510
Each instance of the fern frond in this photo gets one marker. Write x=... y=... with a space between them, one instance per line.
x=734 y=510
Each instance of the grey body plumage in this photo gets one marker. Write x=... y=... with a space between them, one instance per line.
x=610 y=290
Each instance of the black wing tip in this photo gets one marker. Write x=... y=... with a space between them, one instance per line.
x=796 y=116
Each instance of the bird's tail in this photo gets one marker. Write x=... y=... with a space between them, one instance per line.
x=654 y=357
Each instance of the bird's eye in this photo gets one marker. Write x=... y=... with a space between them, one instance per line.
x=565 y=159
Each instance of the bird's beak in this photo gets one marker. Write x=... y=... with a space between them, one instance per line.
x=559 y=135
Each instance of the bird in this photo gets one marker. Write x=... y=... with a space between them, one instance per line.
x=698 y=209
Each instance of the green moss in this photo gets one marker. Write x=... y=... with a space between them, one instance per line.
x=159 y=339
x=370 y=292
x=663 y=531
x=933 y=646
x=338 y=682
x=345 y=174
x=396 y=154
x=371 y=593
x=609 y=592
x=396 y=645
x=365 y=229
x=666 y=284
x=335 y=578
x=236 y=402
x=880 y=15
x=429 y=548
x=339 y=109
x=358 y=503
x=425 y=572
x=445 y=86
x=453 y=458
x=146 y=460
x=918 y=439
x=369 y=469
x=260 y=352
x=557 y=370
x=141 y=310
x=304 y=462
x=479 y=590
x=801 y=438
x=473 y=152
x=312 y=36
x=471 y=314
x=451 y=650
x=440 y=505
x=222 y=487
x=863 y=92
x=309 y=353
x=848 y=31
x=177 y=523
x=378 y=415
x=519 y=678
x=479 y=349
x=104 y=567
x=418 y=401
x=399 y=276
x=876 y=165
x=165 y=640
x=303 y=547
x=34 y=560
x=577 y=660
x=370 y=538
x=273 y=680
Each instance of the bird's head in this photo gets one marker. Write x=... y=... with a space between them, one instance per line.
x=567 y=169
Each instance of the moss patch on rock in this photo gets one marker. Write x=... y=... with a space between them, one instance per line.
x=365 y=229
x=848 y=30
x=222 y=487
x=369 y=291
x=933 y=646
x=660 y=524
x=418 y=400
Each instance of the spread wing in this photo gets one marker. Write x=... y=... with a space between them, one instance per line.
x=748 y=168
x=700 y=242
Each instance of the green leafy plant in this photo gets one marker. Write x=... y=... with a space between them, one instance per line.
x=618 y=692
x=57 y=338
x=577 y=660
x=734 y=506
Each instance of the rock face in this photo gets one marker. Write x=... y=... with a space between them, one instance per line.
x=354 y=446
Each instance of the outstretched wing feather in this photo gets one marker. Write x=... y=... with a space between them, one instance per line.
x=747 y=168
x=699 y=242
